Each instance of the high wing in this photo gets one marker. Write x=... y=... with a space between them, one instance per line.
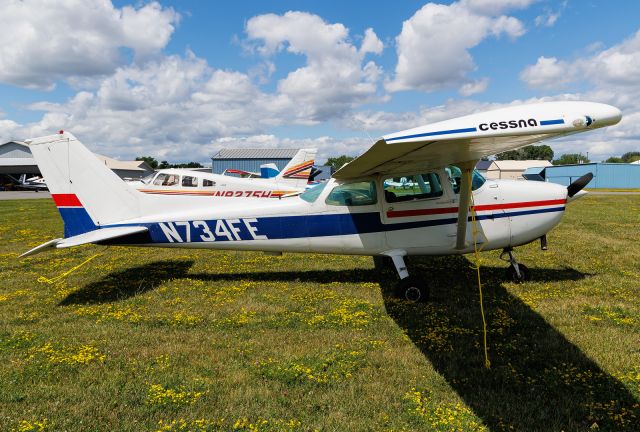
x=465 y=140
x=469 y=138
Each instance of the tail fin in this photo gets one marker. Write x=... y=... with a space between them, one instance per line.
x=297 y=172
x=86 y=192
x=23 y=179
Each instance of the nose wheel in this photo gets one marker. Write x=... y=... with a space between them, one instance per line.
x=516 y=272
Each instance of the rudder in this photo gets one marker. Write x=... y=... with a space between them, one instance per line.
x=298 y=170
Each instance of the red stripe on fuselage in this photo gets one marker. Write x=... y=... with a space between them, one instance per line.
x=66 y=200
x=446 y=210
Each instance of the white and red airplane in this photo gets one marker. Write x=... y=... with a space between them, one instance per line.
x=181 y=181
x=352 y=213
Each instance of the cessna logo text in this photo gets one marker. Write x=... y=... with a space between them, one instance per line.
x=511 y=124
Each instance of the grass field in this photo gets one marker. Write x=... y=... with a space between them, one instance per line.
x=177 y=340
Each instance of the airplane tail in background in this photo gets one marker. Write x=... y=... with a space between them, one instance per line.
x=297 y=172
x=87 y=193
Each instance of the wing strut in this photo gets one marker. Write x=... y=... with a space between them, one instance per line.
x=463 y=206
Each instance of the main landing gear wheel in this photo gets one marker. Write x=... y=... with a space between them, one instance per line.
x=516 y=272
x=513 y=275
x=413 y=290
x=409 y=288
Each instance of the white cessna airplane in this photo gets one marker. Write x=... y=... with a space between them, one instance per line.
x=350 y=214
x=180 y=181
x=36 y=183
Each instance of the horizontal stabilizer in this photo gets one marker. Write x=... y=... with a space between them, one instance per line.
x=44 y=246
x=100 y=235
x=94 y=236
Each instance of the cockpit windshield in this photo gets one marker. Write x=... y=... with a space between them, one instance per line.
x=311 y=195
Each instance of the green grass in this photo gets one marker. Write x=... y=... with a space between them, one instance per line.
x=153 y=339
x=612 y=190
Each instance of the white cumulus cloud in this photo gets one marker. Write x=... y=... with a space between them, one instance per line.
x=42 y=41
x=335 y=77
x=433 y=47
x=617 y=66
x=548 y=72
x=474 y=87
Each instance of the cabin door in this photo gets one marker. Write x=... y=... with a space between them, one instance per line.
x=418 y=211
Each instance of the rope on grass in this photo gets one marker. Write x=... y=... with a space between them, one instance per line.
x=44 y=279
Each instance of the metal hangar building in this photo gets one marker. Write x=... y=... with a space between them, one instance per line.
x=250 y=159
x=605 y=175
x=16 y=159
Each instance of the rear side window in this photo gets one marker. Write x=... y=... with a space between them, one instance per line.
x=412 y=187
x=353 y=194
x=189 y=181
x=208 y=183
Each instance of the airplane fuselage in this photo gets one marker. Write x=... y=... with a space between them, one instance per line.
x=418 y=226
x=198 y=183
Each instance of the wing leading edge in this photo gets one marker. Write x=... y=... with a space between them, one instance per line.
x=469 y=138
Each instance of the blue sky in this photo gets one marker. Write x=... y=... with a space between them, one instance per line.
x=180 y=79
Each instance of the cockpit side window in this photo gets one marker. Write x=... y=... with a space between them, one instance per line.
x=171 y=180
x=189 y=181
x=160 y=179
x=166 y=180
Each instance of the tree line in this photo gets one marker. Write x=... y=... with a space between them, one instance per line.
x=530 y=152
x=153 y=163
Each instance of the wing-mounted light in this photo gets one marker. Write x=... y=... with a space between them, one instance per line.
x=583 y=122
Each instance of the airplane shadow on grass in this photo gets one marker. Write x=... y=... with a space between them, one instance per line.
x=128 y=283
x=538 y=380
x=137 y=280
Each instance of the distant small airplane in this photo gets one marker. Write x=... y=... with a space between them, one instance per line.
x=35 y=183
x=183 y=181
x=353 y=213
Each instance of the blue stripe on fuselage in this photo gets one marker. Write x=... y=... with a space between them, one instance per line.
x=290 y=227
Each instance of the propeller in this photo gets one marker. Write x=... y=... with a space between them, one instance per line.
x=579 y=184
